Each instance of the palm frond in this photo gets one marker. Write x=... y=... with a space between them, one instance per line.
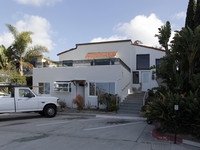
x=13 y=30
x=26 y=36
x=35 y=51
x=28 y=65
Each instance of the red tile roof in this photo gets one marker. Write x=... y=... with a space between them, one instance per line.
x=101 y=55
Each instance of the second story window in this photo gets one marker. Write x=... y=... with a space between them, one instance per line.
x=143 y=62
x=67 y=63
x=102 y=62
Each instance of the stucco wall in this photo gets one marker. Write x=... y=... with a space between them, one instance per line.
x=109 y=73
x=123 y=50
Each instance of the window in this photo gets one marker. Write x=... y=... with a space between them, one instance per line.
x=101 y=88
x=135 y=77
x=68 y=63
x=102 y=62
x=158 y=62
x=92 y=89
x=143 y=62
x=25 y=93
x=62 y=86
x=44 y=88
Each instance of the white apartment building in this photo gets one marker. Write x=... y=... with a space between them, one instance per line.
x=116 y=67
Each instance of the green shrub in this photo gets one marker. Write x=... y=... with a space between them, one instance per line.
x=63 y=105
x=161 y=109
x=111 y=101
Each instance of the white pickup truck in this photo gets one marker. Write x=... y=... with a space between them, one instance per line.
x=24 y=100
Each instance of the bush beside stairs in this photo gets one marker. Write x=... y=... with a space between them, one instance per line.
x=132 y=104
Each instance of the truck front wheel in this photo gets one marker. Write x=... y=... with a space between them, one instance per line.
x=50 y=111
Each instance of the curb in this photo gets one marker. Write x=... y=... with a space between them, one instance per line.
x=102 y=116
x=170 y=138
x=77 y=114
x=121 y=117
x=165 y=138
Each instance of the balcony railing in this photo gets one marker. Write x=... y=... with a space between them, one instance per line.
x=86 y=62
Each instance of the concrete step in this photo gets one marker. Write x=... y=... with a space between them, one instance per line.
x=133 y=100
x=135 y=97
x=132 y=104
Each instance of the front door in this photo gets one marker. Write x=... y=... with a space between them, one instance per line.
x=81 y=90
x=146 y=80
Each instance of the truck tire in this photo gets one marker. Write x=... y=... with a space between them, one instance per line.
x=50 y=111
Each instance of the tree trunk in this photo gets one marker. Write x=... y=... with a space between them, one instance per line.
x=21 y=67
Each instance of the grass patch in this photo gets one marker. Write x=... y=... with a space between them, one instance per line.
x=32 y=138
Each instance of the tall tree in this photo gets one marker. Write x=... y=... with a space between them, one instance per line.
x=197 y=15
x=164 y=35
x=189 y=22
x=21 y=48
x=3 y=58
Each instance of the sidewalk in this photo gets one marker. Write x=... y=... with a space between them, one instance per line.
x=101 y=114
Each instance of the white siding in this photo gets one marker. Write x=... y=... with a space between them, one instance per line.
x=123 y=49
x=112 y=73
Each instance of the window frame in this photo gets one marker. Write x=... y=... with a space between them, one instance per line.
x=65 y=86
x=137 y=62
x=95 y=90
x=43 y=88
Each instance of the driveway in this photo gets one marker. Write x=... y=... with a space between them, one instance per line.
x=85 y=132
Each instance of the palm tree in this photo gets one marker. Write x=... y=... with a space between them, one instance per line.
x=21 y=48
x=3 y=58
x=6 y=57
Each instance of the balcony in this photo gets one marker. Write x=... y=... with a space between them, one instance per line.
x=86 y=62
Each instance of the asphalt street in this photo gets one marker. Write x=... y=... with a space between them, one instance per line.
x=79 y=132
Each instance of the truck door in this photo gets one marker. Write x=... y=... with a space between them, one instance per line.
x=26 y=100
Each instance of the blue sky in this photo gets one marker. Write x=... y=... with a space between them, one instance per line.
x=61 y=24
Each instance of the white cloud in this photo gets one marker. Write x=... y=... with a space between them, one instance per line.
x=180 y=15
x=112 y=38
x=38 y=2
x=141 y=28
x=6 y=39
x=40 y=27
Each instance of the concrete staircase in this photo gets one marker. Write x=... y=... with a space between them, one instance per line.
x=132 y=104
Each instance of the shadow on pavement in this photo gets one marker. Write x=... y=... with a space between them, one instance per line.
x=19 y=116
